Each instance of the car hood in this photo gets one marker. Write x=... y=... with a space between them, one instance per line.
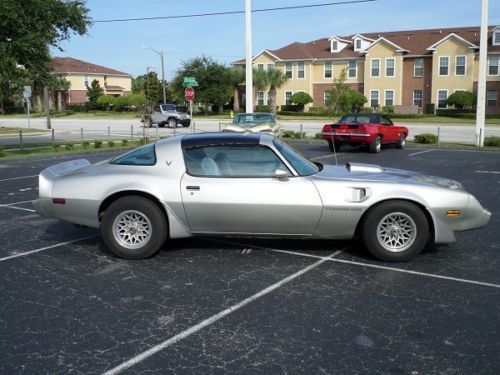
x=375 y=173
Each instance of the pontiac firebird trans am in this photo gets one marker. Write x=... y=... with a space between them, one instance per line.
x=254 y=185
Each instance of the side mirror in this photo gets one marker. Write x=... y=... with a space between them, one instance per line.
x=282 y=174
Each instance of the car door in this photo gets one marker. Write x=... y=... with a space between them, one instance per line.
x=234 y=189
x=391 y=132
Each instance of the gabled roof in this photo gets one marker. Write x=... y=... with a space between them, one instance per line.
x=339 y=39
x=382 y=39
x=265 y=52
x=449 y=36
x=362 y=37
x=71 y=65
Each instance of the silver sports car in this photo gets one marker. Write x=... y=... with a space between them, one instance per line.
x=253 y=185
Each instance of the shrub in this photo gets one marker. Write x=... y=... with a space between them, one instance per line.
x=144 y=141
x=461 y=99
x=97 y=144
x=111 y=144
x=56 y=146
x=2 y=151
x=318 y=136
x=124 y=142
x=301 y=99
x=262 y=108
x=290 y=108
x=430 y=108
x=492 y=141
x=106 y=101
x=69 y=147
x=388 y=109
x=426 y=138
x=292 y=134
x=85 y=144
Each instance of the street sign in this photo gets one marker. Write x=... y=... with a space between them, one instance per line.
x=189 y=93
x=27 y=92
x=190 y=81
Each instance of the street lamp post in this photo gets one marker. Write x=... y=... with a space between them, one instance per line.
x=162 y=70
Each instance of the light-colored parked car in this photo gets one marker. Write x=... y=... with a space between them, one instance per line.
x=252 y=185
x=259 y=122
x=166 y=114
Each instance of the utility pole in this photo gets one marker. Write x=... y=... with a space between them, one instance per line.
x=46 y=104
x=248 y=57
x=162 y=70
x=481 y=84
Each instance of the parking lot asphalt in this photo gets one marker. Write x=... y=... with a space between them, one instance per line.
x=218 y=305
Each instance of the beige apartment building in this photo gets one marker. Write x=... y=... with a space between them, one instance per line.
x=80 y=74
x=402 y=69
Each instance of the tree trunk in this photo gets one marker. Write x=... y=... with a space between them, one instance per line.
x=236 y=100
x=46 y=103
x=272 y=101
x=2 y=109
x=221 y=108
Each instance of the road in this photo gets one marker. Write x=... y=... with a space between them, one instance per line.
x=73 y=129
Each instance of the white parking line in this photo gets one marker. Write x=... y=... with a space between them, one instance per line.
x=213 y=319
x=488 y=172
x=17 y=178
x=12 y=206
x=421 y=152
x=46 y=248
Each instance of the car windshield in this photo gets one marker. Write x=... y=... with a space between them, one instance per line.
x=144 y=155
x=302 y=166
x=357 y=118
x=251 y=119
x=168 y=107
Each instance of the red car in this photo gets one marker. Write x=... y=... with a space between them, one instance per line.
x=371 y=129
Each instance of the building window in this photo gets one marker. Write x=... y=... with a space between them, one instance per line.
x=418 y=67
x=300 y=71
x=493 y=66
x=491 y=98
x=460 y=62
x=375 y=67
x=496 y=38
x=335 y=46
x=374 y=101
x=352 y=69
x=444 y=63
x=417 y=98
x=270 y=66
x=86 y=80
x=357 y=44
x=288 y=96
x=328 y=69
x=442 y=98
x=390 y=67
x=389 y=98
x=326 y=98
x=288 y=70
x=260 y=66
x=260 y=97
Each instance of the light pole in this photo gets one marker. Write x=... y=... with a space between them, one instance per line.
x=162 y=70
x=148 y=96
x=248 y=57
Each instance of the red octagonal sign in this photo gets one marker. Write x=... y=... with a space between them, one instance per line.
x=189 y=93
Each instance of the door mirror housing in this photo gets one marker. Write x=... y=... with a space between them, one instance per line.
x=281 y=174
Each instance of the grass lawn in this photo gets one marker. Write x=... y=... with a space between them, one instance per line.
x=15 y=131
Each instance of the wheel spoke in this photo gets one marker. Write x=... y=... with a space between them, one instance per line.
x=132 y=229
x=396 y=232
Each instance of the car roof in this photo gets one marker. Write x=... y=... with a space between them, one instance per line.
x=254 y=113
x=206 y=139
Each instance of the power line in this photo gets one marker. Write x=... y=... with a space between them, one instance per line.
x=236 y=11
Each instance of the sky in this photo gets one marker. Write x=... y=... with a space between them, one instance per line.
x=117 y=45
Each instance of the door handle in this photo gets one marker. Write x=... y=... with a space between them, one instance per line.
x=197 y=188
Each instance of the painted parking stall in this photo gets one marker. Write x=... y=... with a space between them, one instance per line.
x=69 y=305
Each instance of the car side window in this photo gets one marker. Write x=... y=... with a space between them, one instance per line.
x=144 y=155
x=384 y=120
x=232 y=161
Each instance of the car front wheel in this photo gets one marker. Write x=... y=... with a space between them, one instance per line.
x=376 y=145
x=395 y=231
x=172 y=123
x=134 y=228
x=402 y=142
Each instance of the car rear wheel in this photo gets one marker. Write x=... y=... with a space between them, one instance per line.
x=134 y=228
x=148 y=122
x=172 y=123
x=402 y=142
x=376 y=145
x=334 y=146
x=395 y=231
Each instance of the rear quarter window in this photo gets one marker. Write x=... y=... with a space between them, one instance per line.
x=145 y=155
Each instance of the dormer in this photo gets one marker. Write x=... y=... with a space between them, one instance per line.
x=337 y=44
x=495 y=36
x=449 y=36
x=361 y=42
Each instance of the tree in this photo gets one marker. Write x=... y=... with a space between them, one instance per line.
x=354 y=100
x=106 y=101
x=56 y=86
x=236 y=78
x=461 y=99
x=302 y=99
x=276 y=78
x=150 y=86
x=336 y=96
x=94 y=91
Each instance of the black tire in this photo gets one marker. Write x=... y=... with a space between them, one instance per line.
x=186 y=125
x=395 y=231
x=337 y=146
x=139 y=215
x=401 y=144
x=148 y=122
x=376 y=145
x=172 y=123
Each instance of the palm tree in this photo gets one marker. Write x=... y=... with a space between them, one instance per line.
x=275 y=79
x=236 y=78
x=57 y=85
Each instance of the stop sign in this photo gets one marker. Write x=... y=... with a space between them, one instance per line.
x=189 y=93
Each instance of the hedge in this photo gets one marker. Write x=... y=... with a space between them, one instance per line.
x=425 y=138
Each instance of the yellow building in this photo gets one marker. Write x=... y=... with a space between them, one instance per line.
x=405 y=69
x=80 y=74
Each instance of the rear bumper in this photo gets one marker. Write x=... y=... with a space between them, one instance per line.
x=348 y=137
